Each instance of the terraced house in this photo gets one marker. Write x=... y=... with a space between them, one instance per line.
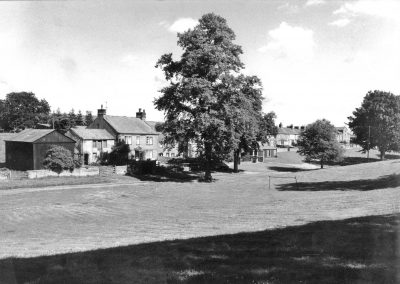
x=140 y=136
x=90 y=143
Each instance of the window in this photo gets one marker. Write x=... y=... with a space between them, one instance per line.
x=137 y=140
x=128 y=140
x=167 y=155
x=149 y=140
x=149 y=154
x=172 y=155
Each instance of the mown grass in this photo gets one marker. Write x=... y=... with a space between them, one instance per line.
x=357 y=250
x=58 y=181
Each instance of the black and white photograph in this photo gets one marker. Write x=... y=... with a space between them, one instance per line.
x=200 y=141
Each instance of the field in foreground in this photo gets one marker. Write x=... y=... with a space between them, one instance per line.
x=359 y=250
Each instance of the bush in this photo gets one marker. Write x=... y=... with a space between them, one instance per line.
x=119 y=154
x=58 y=159
x=143 y=167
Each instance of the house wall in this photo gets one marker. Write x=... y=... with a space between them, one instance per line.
x=94 y=152
x=343 y=136
x=151 y=151
x=19 y=155
x=286 y=139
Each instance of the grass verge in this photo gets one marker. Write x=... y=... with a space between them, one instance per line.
x=59 y=181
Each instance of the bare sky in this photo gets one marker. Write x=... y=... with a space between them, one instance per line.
x=316 y=58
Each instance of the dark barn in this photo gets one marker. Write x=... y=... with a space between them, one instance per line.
x=27 y=149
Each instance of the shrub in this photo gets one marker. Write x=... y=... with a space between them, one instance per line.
x=119 y=154
x=143 y=167
x=58 y=159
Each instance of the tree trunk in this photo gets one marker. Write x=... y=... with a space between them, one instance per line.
x=382 y=155
x=322 y=164
x=207 y=175
x=236 y=161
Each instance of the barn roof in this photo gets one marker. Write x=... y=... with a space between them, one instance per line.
x=92 y=134
x=129 y=125
x=32 y=135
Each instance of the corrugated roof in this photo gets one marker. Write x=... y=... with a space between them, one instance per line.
x=92 y=134
x=129 y=125
x=288 y=131
x=7 y=136
x=30 y=135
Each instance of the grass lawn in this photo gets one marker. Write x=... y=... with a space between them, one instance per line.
x=358 y=250
x=59 y=181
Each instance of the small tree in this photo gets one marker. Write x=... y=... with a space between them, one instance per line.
x=88 y=118
x=79 y=119
x=318 y=142
x=72 y=118
x=119 y=154
x=58 y=159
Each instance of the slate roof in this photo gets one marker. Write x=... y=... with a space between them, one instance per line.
x=30 y=135
x=288 y=131
x=92 y=134
x=129 y=125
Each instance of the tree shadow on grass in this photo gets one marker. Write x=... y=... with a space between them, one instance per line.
x=288 y=169
x=168 y=176
x=357 y=250
x=387 y=181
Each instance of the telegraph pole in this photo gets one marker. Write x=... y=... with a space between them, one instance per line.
x=369 y=137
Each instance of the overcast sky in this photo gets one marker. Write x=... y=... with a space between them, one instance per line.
x=316 y=58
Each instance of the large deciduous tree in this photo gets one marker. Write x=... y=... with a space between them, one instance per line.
x=377 y=122
x=23 y=110
x=207 y=100
x=318 y=142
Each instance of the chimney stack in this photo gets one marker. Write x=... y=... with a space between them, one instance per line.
x=141 y=114
x=101 y=112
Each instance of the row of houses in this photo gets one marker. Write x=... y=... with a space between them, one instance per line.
x=26 y=150
x=289 y=136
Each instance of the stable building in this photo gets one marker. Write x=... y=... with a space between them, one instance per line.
x=27 y=150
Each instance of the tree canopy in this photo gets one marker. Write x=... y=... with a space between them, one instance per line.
x=207 y=100
x=377 y=122
x=23 y=110
x=318 y=142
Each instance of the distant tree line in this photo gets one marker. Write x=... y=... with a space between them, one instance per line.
x=23 y=110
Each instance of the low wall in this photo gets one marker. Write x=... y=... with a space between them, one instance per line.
x=81 y=172
x=120 y=170
x=4 y=174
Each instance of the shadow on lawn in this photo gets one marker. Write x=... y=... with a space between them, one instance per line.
x=168 y=176
x=358 y=250
x=361 y=184
x=288 y=169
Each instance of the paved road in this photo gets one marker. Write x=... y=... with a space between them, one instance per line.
x=37 y=222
